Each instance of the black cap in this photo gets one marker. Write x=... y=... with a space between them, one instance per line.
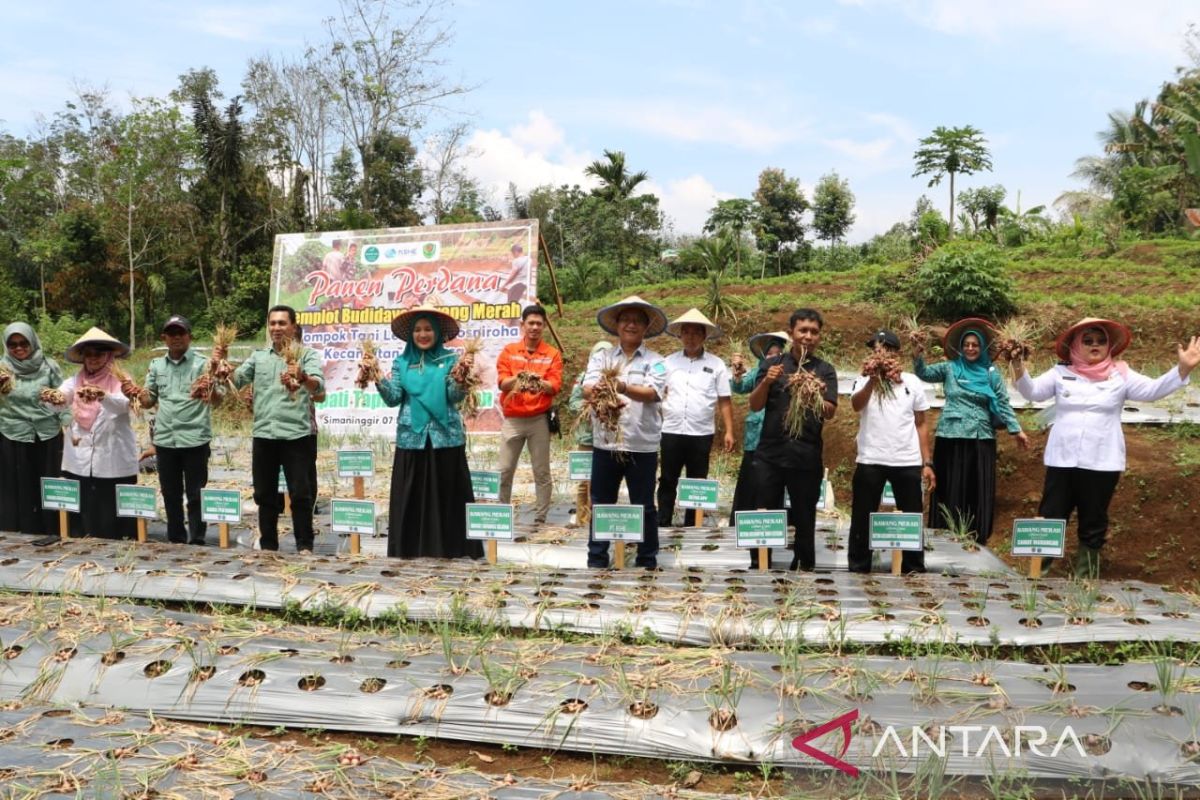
x=888 y=338
x=177 y=321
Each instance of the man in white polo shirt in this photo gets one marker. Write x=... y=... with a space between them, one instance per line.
x=893 y=445
x=697 y=385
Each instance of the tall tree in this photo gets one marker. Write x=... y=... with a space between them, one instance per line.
x=983 y=205
x=616 y=181
x=221 y=139
x=779 y=229
x=382 y=66
x=952 y=151
x=733 y=217
x=832 y=207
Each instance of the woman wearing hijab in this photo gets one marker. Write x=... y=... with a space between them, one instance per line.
x=762 y=346
x=964 y=449
x=100 y=450
x=1085 y=454
x=431 y=484
x=31 y=441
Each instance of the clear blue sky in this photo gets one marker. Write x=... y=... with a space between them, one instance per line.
x=702 y=94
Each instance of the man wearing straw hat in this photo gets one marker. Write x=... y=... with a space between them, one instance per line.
x=525 y=409
x=631 y=452
x=283 y=433
x=697 y=385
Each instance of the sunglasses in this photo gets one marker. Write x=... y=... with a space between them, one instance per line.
x=18 y=345
x=1093 y=341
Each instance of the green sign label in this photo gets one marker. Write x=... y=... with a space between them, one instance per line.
x=221 y=505
x=282 y=482
x=889 y=497
x=486 y=485
x=60 y=494
x=616 y=523
x=353 y=516
x=486 y=399
x=897 y=532
x=490 y=521
x=579 y=465
x=696 y=493
x=355 y=463
x=1039 y=537
x=761 y=528
x=137 y=501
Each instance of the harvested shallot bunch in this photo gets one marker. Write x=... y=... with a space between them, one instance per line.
x=527 y=382
x=54 y=397
x=89 y=393
x=806 y=398
x=916 y=333
x=368 y=366
x=218 y=372
x=466 y=374
x=606 y=404
x=737 y=358
x=6 y=380
x=1013 y=340
x=291 y=371
x=885 y=367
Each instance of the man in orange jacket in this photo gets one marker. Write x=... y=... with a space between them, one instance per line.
x=526 y=410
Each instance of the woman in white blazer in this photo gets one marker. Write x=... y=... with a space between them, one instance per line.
x=1085 y=454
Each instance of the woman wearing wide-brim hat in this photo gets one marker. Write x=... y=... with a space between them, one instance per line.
x=964 y=445
x=31 y=439
x=742 y=381
x=100 y=450
x=1085 y=454
x=431 y=483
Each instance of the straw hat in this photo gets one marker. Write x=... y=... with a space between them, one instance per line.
x=760 y=343
x=600 y=345
x=1119 y=336
x=403 y=322
x=96 y=338
x=693 y=316
x=607 y=316
x=955 y=332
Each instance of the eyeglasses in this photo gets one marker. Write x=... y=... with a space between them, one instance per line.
x=1093 y=341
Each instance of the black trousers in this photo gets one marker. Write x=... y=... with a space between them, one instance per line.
x=804 y=488
x=22 y=467
x=745 y=493
x=98 y=509
x=609 y=468
x=679 y=451
x=183 y=472
x=1087 y=491
x=868 y=491
x=295 y=456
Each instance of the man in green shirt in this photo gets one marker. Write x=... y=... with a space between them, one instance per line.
x=182 y=429
x=283 y=427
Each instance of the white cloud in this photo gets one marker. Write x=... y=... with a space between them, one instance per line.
x=1153 y=29
x=710 y=125
x=874 y=150
x=260 y=23
x=687 y=201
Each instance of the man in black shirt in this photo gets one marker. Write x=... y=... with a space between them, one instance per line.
x=793 y=462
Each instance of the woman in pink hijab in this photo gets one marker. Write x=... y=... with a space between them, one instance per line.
x=100 y=450
x=1085 y=454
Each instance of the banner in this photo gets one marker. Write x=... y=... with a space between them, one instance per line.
x=347 y=286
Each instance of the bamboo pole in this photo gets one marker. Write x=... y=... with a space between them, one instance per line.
x=553 y=276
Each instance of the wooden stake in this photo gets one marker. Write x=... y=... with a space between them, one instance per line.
x=619 y=558
x=764 y=559
x=359 y=489
x=554 y=333
x=1035 y=567
x=491 y=551
x=141 y=525
x=553 y=277
x=699 y=517
x=356 y=540
x=64 y=527
x=897 y=560
x=287 y=503
x=223 y=533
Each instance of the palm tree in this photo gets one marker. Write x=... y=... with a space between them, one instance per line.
x=616 y=183
x=732 y=216
x=952 y=151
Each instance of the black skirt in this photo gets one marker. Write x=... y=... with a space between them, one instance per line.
x=98 y=509
x=22 y=467
x=427 y=510
x=966 y=483
x=745 y=492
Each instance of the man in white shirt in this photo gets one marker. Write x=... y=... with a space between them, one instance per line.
x=697 y=385
x=893 y=446
x=632 y=454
